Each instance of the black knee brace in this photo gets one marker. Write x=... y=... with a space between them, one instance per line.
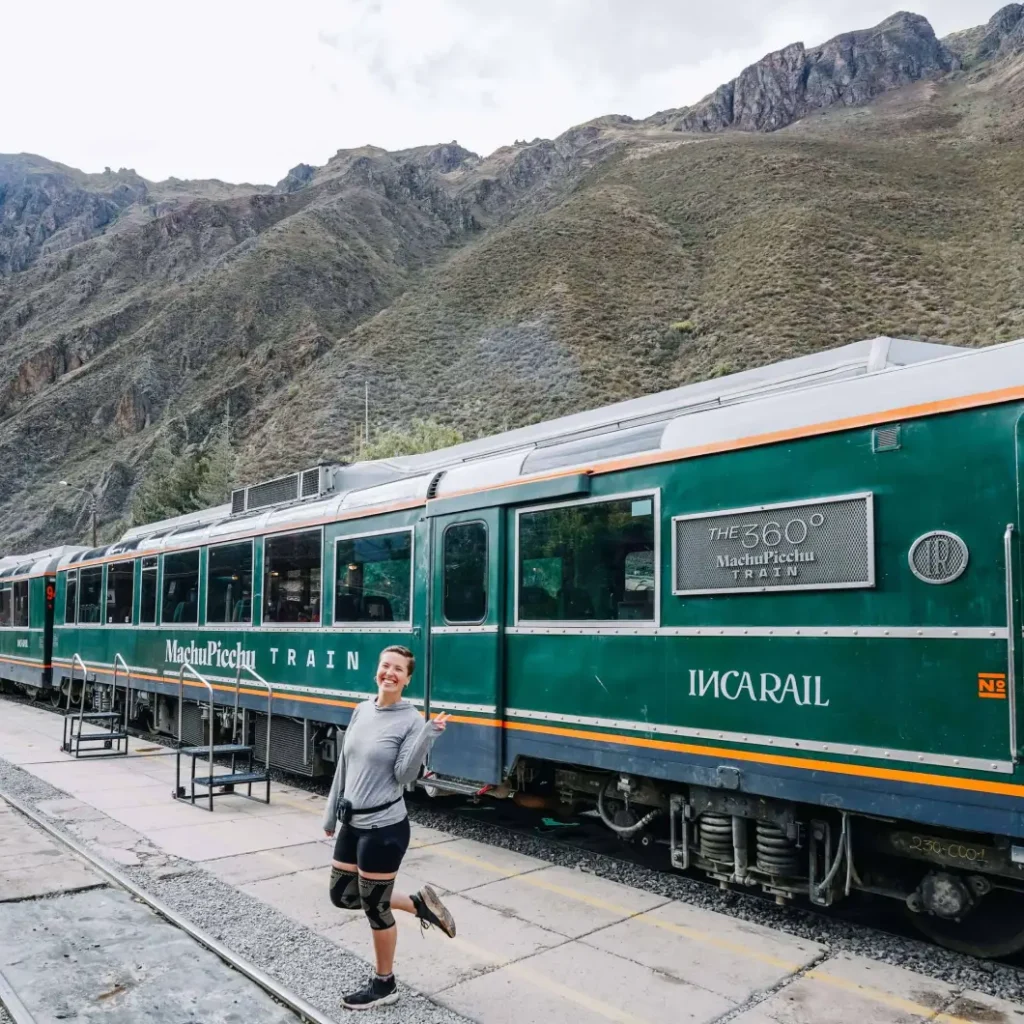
x=375 y=896
x=345 y=889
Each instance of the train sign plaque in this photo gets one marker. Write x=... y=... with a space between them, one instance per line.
x=823 y=544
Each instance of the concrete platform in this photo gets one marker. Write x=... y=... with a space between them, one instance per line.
x=536 y=942
x=100 y=956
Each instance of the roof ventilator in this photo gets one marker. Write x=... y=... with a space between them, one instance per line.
x=306 y=485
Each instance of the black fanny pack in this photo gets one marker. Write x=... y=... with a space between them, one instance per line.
x=345 y=810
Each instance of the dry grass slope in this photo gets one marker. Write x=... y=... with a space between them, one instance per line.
x=898 y=219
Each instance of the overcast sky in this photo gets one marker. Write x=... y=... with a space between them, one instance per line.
x=242 y=91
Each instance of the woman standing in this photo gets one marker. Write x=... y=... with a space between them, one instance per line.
x=383 y=747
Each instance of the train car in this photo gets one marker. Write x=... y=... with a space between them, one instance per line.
x=771 y=619
x=27 y=585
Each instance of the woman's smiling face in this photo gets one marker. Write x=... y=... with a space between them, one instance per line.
x=392 y=672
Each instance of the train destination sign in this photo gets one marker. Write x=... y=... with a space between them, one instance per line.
x=824 y=544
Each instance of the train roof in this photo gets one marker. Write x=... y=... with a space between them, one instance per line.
x=866 y=378
x=37 y=562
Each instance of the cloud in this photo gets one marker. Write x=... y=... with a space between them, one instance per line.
x=245 y=90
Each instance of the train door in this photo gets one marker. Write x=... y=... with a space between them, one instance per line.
x=465 y=673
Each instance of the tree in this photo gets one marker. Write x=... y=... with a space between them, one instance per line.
x=219 y=467
x=421 y=436
x=197 y=477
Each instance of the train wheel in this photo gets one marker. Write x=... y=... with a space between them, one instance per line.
x=994 y=928
x=55 y=695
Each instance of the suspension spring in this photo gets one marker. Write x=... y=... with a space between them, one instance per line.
x=777 y=855
x=716 y=838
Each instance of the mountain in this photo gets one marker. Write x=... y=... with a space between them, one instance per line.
x=868 y=185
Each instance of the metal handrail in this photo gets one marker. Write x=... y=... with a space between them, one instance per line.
x=186 y=667
x=127 y=689
x=270 y=697
x=1011 y=646
x=76 y=660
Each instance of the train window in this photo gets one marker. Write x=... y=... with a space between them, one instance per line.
x=291 y=577
x=90 y=594
x=21 y=603
x=120 y=592
x=590 y=561
x=465 y=573
x=6 y=605
x=71 y=597
x=229 y=583
x=147 y=593
x=181 y=587
x=373 y=578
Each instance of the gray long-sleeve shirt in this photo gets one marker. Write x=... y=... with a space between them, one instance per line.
x=382 y=750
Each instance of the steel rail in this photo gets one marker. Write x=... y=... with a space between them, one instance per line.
x=15 y=1007
x=290 y=999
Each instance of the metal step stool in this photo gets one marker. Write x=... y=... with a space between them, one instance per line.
x=236 y=775
x=114 y=737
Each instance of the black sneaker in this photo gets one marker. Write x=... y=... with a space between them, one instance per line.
x=377 y=992
x=430 y=910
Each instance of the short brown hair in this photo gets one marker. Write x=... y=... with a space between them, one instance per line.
x=405 y=653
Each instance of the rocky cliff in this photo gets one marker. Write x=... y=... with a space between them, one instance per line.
x=851 y=70
x=491 y=291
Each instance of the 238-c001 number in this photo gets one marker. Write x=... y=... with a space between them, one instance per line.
x=943 y=849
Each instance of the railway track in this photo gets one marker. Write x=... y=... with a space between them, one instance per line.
x=16 y=999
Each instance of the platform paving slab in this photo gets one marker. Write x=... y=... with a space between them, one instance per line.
x=431 y=962
x=33 y=864
x=121 y=962
x=153 y=794
x=732 y=957
x=572 y=903
x=572 y=984
x=305 y=897
x=464 y=864
x=982 y=1009
x=211 y=839
x=849 y=989
x=69 y=809
x=256 y=867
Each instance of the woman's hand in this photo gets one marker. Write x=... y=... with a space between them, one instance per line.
x=329 y=833
x=440 y=721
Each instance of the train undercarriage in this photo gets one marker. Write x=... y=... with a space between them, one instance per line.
x=963 y=890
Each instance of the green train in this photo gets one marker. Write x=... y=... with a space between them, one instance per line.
x=771 y=620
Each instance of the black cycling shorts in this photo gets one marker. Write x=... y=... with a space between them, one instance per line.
x=375 y=850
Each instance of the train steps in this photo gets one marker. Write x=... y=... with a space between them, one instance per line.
x=247 y=773
x=109 y=738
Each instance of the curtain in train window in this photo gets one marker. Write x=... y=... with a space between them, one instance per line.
x=291 y=577
x=6 y=605
x=181 y=587
x=90 y=596
x=588 y=562
x=120 y=592
x=465 y=573
x=373 y=578
x=229 y=583
x=147 y=592
x=71 y=597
